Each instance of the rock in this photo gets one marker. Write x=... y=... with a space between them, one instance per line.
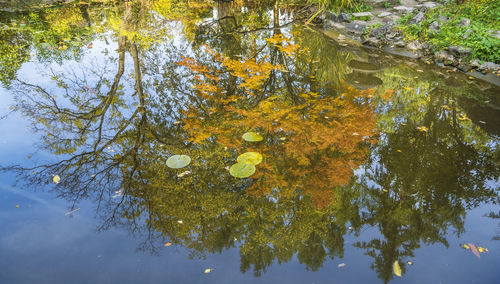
x=488 y=66
x=363 y=66
x=430 y=5
x=330 y=16
x=450 y=60
x=362 y=81
x=356 y=27
x=414 y=45
x=403 y=9
x=328 y=23
x=467 y=34
x=434 y=26
x=464 y=67
x=372 y=41
x=392 y=18
x=384 y=14
x=475 y=63
x=459 y=51
x=440 y=56
x=343 y=17
x=380 y=32
x=400 y=43
x=363 y=14
x=442 y=19
x=497 y=34
x=417 y=19
x=464 y=22
x=392 y=35
x=332 y=24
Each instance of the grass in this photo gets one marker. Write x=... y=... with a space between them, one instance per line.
x=357 y=7
x=483 y=14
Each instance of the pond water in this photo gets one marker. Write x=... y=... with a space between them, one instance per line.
x=371 y=163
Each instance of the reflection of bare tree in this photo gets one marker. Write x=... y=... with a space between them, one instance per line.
x=113 y=134
x=419 y=185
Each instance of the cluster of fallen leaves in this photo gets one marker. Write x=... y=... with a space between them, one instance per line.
x=476 y=250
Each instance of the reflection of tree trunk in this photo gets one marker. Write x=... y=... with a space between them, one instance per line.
x=112 y=92
x=276 y=15
x=85 y=14
x=137 y=73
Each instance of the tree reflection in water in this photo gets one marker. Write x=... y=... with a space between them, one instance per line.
x=113 y=123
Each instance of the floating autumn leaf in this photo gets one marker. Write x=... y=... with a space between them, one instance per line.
x=474 y=250
x=242 y=170
x=481 y=249
x=208 y=270
x=252 y=137
x=253 y=158
x=396 y=268
x=168 y=244
x=178 y=161
x=56 y=179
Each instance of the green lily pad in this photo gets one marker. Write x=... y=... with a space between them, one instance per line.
x=253 y=158
x=242 y=170
x=178 y=161
x=252 y=137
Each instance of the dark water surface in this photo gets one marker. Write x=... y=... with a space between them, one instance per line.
x=368 y=159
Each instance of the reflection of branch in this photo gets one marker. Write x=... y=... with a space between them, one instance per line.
x=267 y=28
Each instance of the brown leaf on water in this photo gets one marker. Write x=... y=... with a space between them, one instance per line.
x=474 y=250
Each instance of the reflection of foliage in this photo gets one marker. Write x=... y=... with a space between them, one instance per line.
x=422 y=182
x=314 y=140
x=14 y=51
x=114 y=124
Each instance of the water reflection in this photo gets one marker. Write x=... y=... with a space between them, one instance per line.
x=111 y=123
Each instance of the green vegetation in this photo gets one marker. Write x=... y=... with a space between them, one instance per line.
x=370 y=28
x=357 y=6
x=454 y=29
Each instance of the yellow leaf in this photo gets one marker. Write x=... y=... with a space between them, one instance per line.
x=423 y=128
x=168 y=244
x=56 y=179
x=208 y=270
x=396 y=269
